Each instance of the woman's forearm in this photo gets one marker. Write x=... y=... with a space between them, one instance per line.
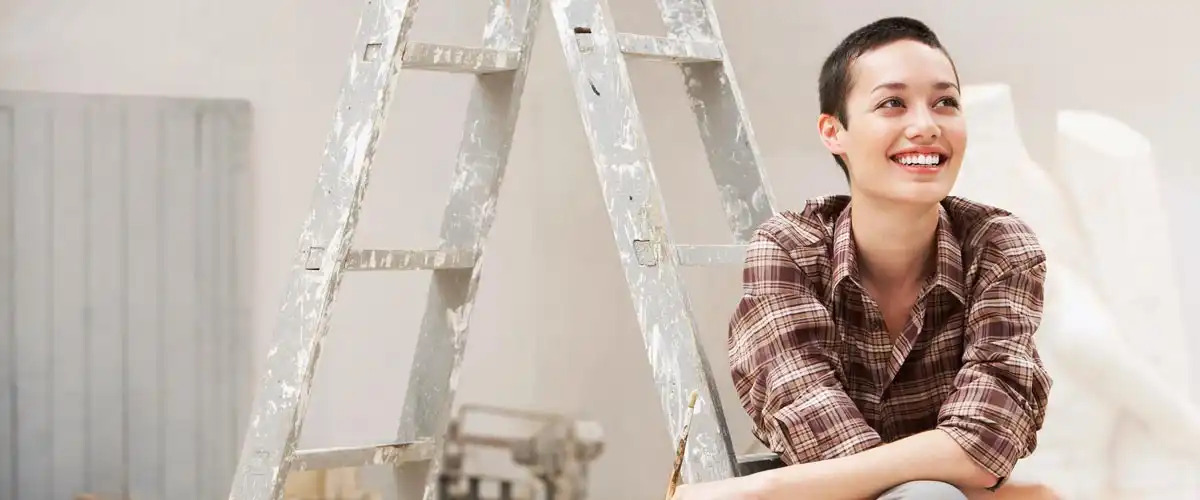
x=931 y=455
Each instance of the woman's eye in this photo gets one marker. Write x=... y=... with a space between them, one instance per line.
x=949 y=101
x=891 y=103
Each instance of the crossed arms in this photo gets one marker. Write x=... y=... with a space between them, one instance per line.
x=783 y=345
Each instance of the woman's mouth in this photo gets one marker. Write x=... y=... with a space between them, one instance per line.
x=920 y=162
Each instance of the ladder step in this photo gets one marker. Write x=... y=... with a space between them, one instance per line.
x=659 y=48
x=408 y=260
x=358 y=456
x=710 y=255
x=458 y=59
x=758 y=462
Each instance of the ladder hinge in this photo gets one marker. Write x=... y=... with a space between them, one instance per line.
x=313 y=257
x=645 y=252
x=583 y=39
x=371 y=51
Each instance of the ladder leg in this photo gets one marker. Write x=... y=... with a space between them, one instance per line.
x=482 y=160
x=622 y=159
x=282 y=398
x=716 y=100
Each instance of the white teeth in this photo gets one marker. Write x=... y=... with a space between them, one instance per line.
x=919 y=159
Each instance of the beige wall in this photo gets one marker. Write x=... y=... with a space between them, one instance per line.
x=551 y=278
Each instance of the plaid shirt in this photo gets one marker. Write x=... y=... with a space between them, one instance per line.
x=817 y=373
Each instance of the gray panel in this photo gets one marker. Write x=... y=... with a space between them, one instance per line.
x=243 y=349
x=221 y=421
x=145 y=262
x=8 y=378
x=69 y=329
x=106 y=296
x=123 y=307
x=34 y=300
x=210 y=376
x=238 y=245
x=180 y=178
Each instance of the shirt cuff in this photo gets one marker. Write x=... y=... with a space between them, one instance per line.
x=996 y=452
x=821 y=433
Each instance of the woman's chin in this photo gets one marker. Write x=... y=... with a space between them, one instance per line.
x=913 y=193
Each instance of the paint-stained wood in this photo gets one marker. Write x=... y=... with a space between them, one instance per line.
x=595 y=58
x=595 y=54
x=303 y=318
x=470 y=211
x=123 y=370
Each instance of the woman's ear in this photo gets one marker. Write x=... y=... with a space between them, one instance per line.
x=830 y=130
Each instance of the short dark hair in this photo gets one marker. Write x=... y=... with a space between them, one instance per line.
x=834 y=82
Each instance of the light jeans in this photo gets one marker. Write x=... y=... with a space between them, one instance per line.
x=924 y=490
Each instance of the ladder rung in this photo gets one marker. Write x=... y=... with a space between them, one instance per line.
x=458 y=59
x=408 y=260
x=660 y=48
x=758 y=462
x=710 y=255
x=381 y=454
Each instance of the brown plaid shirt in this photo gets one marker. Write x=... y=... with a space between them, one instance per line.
x=814 y=366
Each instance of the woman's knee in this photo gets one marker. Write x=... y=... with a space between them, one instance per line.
x=924 y=490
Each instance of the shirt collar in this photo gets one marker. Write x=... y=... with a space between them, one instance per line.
x=948 y=271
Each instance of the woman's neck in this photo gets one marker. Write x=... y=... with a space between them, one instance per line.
x=894 y=241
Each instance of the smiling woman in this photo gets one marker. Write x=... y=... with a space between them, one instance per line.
x=883 y=344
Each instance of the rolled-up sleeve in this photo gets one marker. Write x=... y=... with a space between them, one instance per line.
x=1000 y=395
x=784 y=364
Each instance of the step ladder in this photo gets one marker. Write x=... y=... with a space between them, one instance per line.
x=595 y=53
